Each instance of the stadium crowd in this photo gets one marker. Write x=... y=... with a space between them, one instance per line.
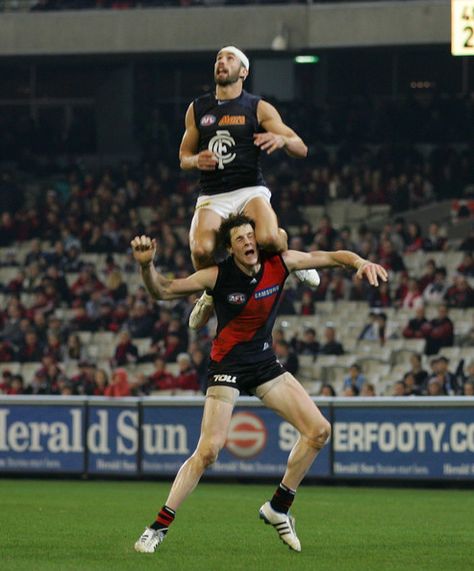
x=67 y=275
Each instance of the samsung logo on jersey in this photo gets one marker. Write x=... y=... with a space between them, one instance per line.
x=266 y=292
x=237 y=298
x=208 y=120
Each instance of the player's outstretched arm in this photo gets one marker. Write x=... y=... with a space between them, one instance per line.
x=277 y=135
x=160 y=287
x=295 y=260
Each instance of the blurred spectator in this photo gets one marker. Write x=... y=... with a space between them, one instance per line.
x=415 y=241
x=125 y=352
x=435 y=388
x=435 y=291
x=187 y=378
x=468 y=389
x=419 y=374
x=389 y=258
x=399 y=389
x=370 y=331
x=53 y=346
x=448 y=381
x=115 y=285
x=5 y=381
x=38 y=385
x=160 y=329
x=307 y=303
x=17 y=386
x=440 y=332
x=466 y=267
x=428 y=275
x=161 y=379
x=74 y=350
x=308 y=345
x=7 y=353
x=331 y=346
x=327 y=390
x=171 y=347
x=350 y=391
x=434 y=242
x=418 y=327
x=354 y=378
x=101 y=381
x=412 y=298
x=12 y=330
x=31 y=349
x=286 y=356
x=380 y=297
x=140 y=322
x=84 y=382
x=118 y=386
x=368 y=390
x=86 y=283
x=460 y=294
x=467 y=245
x=411 y=387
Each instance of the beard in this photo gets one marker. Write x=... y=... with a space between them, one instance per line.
x=227 y=80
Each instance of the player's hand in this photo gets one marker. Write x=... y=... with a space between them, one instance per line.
x=144 y=249
x=372 y=272
x=206 y=161
x=269 y=142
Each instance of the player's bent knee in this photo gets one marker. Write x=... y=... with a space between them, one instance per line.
x=208 y=453
x=202 y=254
x=319 y=434
x=269 y=240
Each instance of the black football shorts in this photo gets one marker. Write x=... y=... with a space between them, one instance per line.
x=244 y=377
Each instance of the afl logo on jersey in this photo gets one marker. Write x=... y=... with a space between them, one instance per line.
x=237 y=298
x=220 y=145
x=208 y=120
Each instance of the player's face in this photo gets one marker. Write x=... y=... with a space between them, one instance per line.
x=243 y=245
x=227 y=69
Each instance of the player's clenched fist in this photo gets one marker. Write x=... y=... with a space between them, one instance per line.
x=144 y=249
x=206 y=161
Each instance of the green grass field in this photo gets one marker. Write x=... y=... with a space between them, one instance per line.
x=70 y=525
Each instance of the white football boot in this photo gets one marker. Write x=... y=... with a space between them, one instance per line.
x=308 y=278
x=150 y=539
x=283 y=523
x=201 y=312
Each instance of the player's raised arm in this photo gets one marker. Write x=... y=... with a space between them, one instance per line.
x=189 y=158
x=277 y=135
x=160 y=287
x=295 y=260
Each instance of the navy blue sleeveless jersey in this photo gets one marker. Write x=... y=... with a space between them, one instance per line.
x=246 y=309
x=227 y=128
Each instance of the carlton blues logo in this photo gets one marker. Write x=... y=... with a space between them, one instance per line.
x=236 y=298
x=220 y=145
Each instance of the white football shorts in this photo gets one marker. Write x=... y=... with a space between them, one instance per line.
x=233 y=202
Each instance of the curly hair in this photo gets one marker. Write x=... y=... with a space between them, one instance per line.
x=233 y=221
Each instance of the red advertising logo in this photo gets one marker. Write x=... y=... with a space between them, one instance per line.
x=247 y=435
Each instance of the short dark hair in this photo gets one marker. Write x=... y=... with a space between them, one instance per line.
x=233 y=221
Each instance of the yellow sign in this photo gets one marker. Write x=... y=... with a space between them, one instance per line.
x=462 y=27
